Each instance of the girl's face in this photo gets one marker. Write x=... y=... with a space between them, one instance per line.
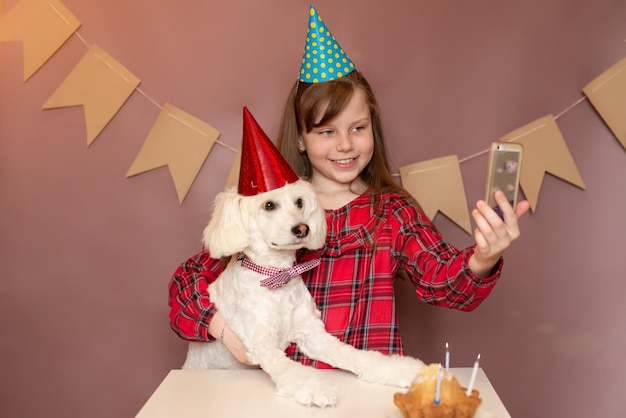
x=340 y=149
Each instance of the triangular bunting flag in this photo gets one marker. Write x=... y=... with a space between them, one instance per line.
x=100 y=84
x=607 y=94
x=437 y=185
x=177 y=140
x=42 y=26
x=545 y=151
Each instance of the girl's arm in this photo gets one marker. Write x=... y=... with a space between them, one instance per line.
x=191 y=310
x=192 y=315
x=493 y=234
x=440 y=272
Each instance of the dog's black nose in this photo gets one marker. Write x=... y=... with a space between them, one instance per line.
x=301 y=230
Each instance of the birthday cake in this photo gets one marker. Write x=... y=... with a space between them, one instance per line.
x=419 y=401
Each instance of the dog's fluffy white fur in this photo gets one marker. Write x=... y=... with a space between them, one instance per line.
x=269 y=228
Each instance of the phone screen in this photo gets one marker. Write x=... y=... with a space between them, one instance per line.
x=503 y=173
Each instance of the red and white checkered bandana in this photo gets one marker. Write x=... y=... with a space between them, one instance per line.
x=276 y=277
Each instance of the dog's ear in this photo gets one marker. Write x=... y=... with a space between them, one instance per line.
x=227 y=231
x=315 y=218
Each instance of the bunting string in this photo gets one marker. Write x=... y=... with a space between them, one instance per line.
x=147 y=96
x=462 y=160
x=485 y=151
x=570 y=107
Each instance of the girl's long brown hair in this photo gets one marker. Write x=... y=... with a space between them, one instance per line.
x=303 y=107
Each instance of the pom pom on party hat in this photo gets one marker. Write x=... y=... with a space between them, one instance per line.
x=262 y=168
x=323 y=58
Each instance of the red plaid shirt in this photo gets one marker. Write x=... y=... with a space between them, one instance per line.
x=368 y=241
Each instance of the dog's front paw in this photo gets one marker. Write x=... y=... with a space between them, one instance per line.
x=316 y=393
x=307 y=387
x=394 y=370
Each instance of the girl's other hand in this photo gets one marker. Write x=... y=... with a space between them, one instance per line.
x=220 y=330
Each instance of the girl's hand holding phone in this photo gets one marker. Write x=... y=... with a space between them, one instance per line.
x=493 y=234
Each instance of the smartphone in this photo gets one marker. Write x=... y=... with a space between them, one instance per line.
x=503 y=173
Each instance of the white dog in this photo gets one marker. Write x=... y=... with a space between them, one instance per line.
x=268 y=228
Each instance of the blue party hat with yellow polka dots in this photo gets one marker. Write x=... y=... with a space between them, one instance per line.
x=323 y=58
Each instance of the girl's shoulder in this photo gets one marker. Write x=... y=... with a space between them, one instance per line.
x=383 y=205
x=368 y=217
x=394 y=201
x=401 y=207
x=390 y=197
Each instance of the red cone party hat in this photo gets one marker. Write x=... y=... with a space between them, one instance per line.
x=263 y=168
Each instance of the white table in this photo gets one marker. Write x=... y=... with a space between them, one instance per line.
x=251 y=393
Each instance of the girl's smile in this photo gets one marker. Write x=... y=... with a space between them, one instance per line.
x=346 y=163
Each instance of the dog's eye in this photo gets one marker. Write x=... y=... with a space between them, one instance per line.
x=269 y=205
x=299 y=203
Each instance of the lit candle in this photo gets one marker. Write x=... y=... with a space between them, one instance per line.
x=447 y=358
x=438 y=388
x=473 y=378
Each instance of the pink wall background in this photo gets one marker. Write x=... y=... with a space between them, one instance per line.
x=86 y=254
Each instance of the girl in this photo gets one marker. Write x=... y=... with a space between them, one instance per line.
x=331 y=135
